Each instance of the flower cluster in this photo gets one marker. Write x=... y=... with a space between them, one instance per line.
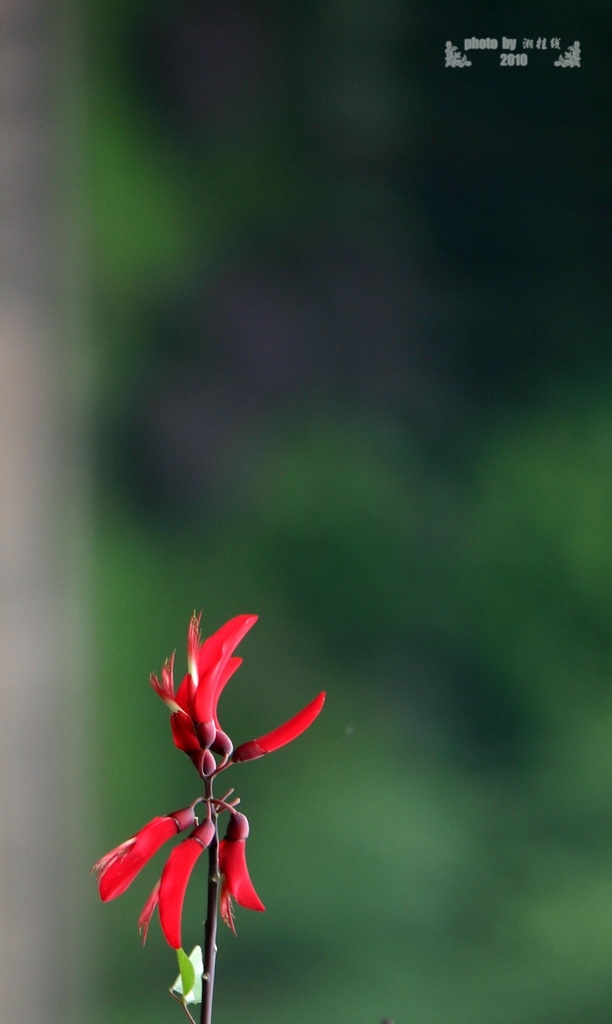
x=196 y=731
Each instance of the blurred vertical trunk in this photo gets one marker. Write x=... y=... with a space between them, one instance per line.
x=41 y=527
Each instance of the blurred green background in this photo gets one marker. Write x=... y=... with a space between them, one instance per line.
x=351 y=353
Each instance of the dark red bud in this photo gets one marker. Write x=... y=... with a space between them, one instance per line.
x=206 y=732
x=207 y=764
x=204 y=762
x=222 y=744
x=247 y=751
x=204 y=833
x=238 y=827
x=183 y=818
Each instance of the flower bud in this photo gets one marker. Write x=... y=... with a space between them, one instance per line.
x=204 y=833
x=206 y=764
x=238 y=827
x=222 y=744
x=206 y=732
x=247 y=752
x=183 y=818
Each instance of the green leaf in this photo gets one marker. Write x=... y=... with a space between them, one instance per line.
x=187 y=974
x=188 y=985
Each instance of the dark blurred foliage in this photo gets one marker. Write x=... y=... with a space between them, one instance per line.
x=352 y=315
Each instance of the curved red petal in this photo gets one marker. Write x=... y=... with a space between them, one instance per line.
x=184 y=693
x=194 y=639
x=147 y=913
x=225 y=906
x=213 y=657
x=165 y=689
x=283 y=734
x=123 y=870
x=232 y=665
x=183 y=733
x=223 y=643
x=233 y=865
x=101 y=866
x=173 y=885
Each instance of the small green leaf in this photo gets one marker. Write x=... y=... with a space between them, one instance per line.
x=196 y=959
x=187 y=973
x=188 y=985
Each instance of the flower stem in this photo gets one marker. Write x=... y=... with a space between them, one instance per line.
x=210 y=926
x=180 y=1001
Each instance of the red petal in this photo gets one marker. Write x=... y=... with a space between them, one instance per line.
x=285 y=733
x=213 y=657
x=227 y=911
x=185 y=693
x=194 y=639
x=173 y=885
x=123 y=870
x=101 y=866
x=224 y=642
x=147 y=913
x=165 y=689
x=183 y=733
x=232 y=665
x=237 y=881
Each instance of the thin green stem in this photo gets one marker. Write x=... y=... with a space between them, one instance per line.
x=210 y=926
x=179 y=1000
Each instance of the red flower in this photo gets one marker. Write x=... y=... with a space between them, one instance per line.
x=283 y=734
x=236 y=882
x=212 y=665
x=183 y=732
x=175 y=878
x=118 y=868
x=196 y=731
x=194 y=719
x=165 y=689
